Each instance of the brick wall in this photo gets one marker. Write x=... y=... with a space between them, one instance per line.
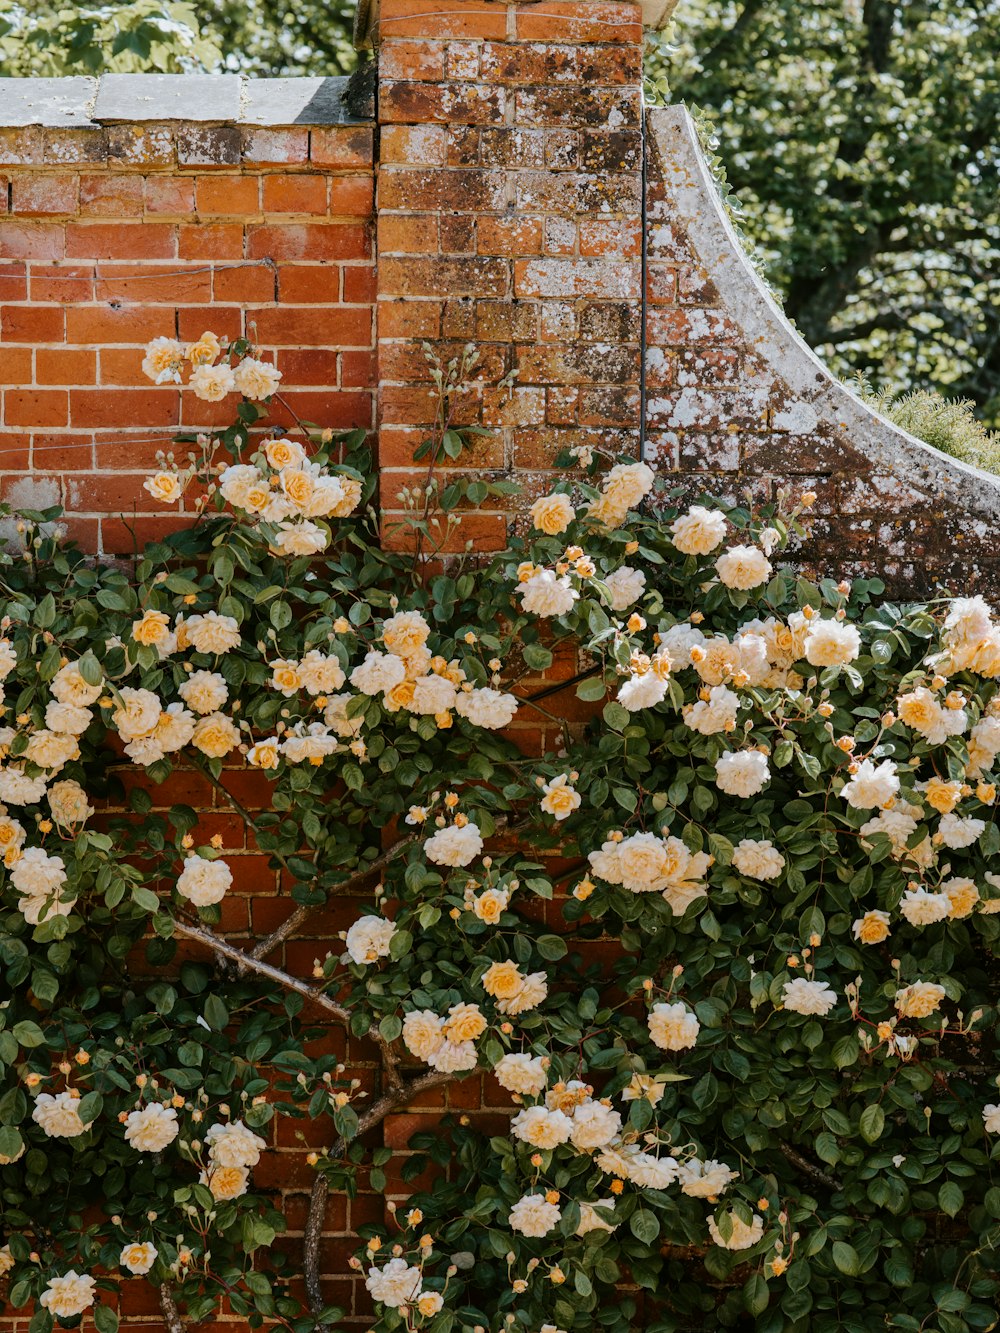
x=118 y=231
x=510 y=216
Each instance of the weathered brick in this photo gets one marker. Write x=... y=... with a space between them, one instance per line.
x=469 y=20
x=38 y=196
x=429 y=277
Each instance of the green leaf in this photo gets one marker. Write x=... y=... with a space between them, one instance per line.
x=846 y=1258
x=951 y=1198
x=755 y=1294
x=644 y=1225
x=872 y=1123
x=216 y=1013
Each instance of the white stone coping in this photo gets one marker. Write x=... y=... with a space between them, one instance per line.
x=821 y=397
x=227 y=99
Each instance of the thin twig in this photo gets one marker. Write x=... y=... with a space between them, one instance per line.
x=810 y=1168
x=171 y=1314
x=245 y=960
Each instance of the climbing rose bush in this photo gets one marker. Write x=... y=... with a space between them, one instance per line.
x=726 y=945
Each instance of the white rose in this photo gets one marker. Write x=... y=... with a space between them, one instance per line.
x=68 y=804
x=304 y=538
x=204 y=882
x=486 y=708
x=152 y=1128
x=922 y=908
x=524 y=1074
x=454 y=846
x=533 y=990
x=213 y=634
x=626 y=585
x=68 y=1295
x=454 y=1057
x=808 y=997
x=672 y=1027
x=742 y=772
x=138 y=1257
x=704 y=1180
x=743 y=568
x=68 y=718
x=831 y=643
x=699 y=531
x=378 y=673
x=872 y=786
x=642 y=691
x=714 y=714
x=319 y=673
x=369 y=939
x=51 y=749
x=137 y=714
x=432 y=695
x=212 y=383
x=234 y=1144
x=590 y=1218
x=650 y=1172
x=394 y=1285
x=741 y=1236
x=991 y=1118
x=37 y=874
x=423 y=1033
x=547 y=594
x=69 y=687
x=58 y=1115
x=256 y=379
x=758 y=859
x=956 y=832
x=17 y=789
x=204 y=692
x=594 y=1126
x=533 y=1216
x=541 y=1128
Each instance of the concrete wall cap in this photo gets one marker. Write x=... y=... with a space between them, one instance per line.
x=227 y=99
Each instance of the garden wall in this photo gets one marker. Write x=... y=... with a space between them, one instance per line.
x=508 y=153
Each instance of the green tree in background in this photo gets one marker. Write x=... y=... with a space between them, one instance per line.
x=43 y=38
x=860 y=137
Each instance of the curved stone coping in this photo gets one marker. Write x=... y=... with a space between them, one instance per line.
x=229 y=99
x=821 y=396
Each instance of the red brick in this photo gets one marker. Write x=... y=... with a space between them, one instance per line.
x=308 y=240
x=31 y=324
x=15 y=369
x=112 y=240
x=13 y=282
x=213 y=241
x=63 y=452
x=170 y=195
x=121 y=538
x=461 y=19
x=357 y=369
x=295 y=194
x=309 y=283
x=43 y=195
x=141 y=407
x=31 y=240
x=65 y=365
x=111 y=196
x=346 y=410
x=342 y=146
x=36 y=407
x=315 y=366
x=152 y=285
x=411 y=60
x=228 y=196
x=352 y=196
x=575 y=21
x=102 y=324
x=62 y=284
x=226 y=321
x=276 y=146
x=320 y=328
x=248 y=283
x=359 y=283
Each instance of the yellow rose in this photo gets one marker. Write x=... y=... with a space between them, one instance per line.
x=489 y=906
x=215 y=736
x=552 y=514
x=464 y=1023
x=264 y=754
x=872 y=928
x=943 y=796
x=298 y=486
x=503 y=980
x=400 y=696
x=204 y=351
x=164 y=486
x=154 y=627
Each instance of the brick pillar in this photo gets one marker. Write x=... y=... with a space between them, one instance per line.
x=509 y=214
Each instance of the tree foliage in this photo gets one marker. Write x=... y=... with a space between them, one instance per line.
x=861 y=141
